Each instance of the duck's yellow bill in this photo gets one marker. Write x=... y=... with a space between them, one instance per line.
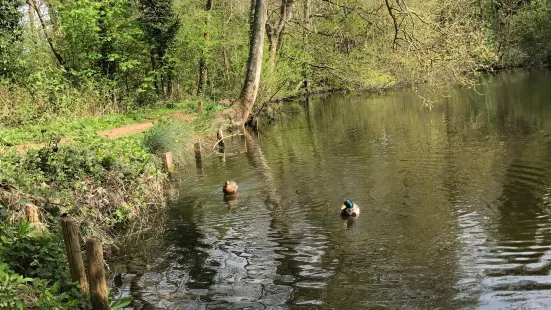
x=343 y=207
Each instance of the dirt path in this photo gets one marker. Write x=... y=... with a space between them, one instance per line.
x=127 y=130
x=114 y=133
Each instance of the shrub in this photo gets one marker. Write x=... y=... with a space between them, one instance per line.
x=176 y=137
x=37 y=276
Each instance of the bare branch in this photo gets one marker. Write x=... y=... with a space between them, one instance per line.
x=396 y=27
x=356 y=10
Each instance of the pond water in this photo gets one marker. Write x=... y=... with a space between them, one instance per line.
x=455 y=209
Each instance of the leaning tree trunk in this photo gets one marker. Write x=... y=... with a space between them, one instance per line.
x=57 y=55
x=254 y=63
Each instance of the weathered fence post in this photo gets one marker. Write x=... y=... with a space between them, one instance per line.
x=98 y=285
x=168 y=163
x=220 y=137
x=74 y=256
x=200 y=107
x=221 y=145
x=198 y=158
x=198 y=153
x=32 y=216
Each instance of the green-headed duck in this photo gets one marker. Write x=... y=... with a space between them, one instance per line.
x=350 y=209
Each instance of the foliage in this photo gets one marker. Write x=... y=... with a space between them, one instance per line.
x=530 y=28
x=118 y=55
x=100 y=183
x=120 y=303
x=37 y=275
x=10 y=32
x=27 y=293
x=10 y=285
x=32 y=254
x=160 y=25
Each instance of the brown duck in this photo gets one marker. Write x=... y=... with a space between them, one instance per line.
x=230 y=188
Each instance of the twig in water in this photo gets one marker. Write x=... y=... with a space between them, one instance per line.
x=237 y=134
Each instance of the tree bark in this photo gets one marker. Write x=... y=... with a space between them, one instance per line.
x=254 y=63
x=31 y=19
x=96 y=280
x=305 y=25
x=69 y=230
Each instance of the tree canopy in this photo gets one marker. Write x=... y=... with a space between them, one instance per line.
x=81 y=57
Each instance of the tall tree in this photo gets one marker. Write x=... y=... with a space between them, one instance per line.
x=275 y=32
x=254 y=62
x=105 y=62
x=203 y=71
x=160 y=25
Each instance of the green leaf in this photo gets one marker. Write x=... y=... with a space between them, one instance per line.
x=55 y=287
x=19 y=304
x=5 y=239
x=121 y=303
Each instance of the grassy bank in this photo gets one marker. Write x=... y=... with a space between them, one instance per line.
x=79 y=127
x=103 y=184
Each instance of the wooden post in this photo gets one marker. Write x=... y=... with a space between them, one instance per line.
x=168 y=163
x=220 y=137
x=98 y=286
x=198 y=155
x=198 y=159
x=32 y=216
x=74 y=256
x=200 y=107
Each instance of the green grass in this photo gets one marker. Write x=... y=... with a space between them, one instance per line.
x=89 y=126
x=176 y=137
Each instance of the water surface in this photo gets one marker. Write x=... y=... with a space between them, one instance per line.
x=455 y=207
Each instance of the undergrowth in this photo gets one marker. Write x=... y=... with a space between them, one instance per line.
x=102 y=184
x=34 y=272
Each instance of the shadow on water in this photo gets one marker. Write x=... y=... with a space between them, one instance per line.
x=455 y=209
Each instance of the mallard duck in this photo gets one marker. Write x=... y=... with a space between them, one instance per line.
x=350 y=209
x=230 y=188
